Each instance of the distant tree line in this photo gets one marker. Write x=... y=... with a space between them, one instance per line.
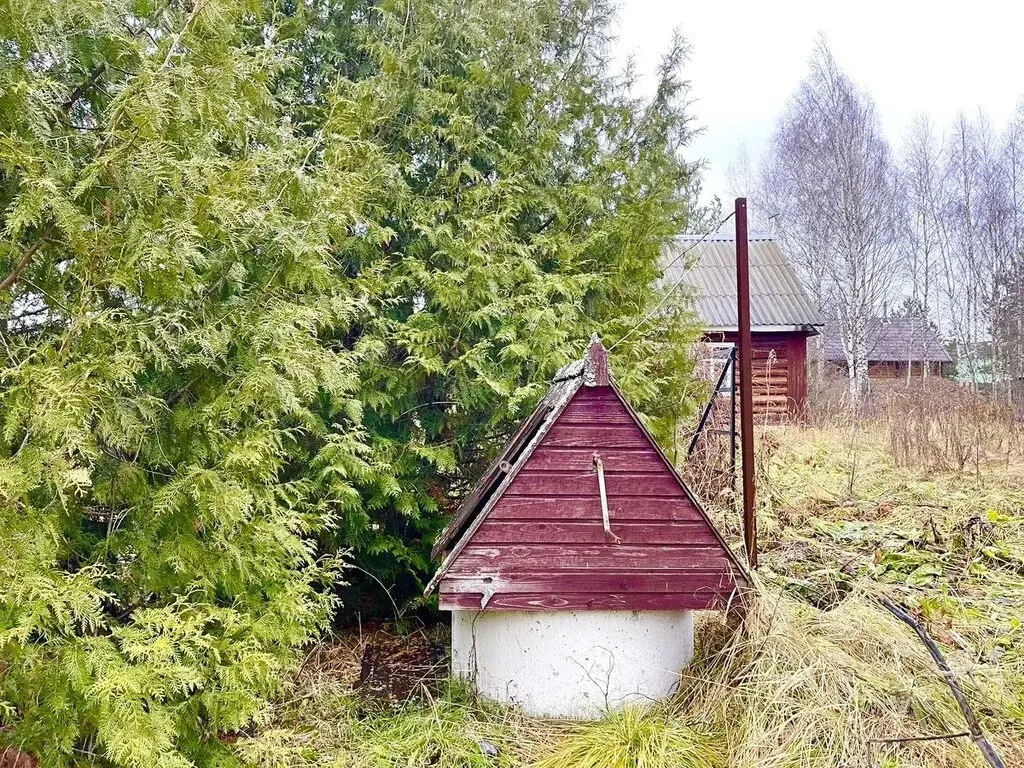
x=934 y=228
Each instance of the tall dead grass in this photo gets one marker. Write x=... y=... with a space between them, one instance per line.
x=945 y=427
x=816 y=674
x=799 y=686
x=933 y=424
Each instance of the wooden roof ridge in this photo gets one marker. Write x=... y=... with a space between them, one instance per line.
x=591 y=371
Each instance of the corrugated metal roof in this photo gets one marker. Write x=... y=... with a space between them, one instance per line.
x=777 y=298
x=894 y=340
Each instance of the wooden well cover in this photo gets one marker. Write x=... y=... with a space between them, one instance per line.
x=532 y=535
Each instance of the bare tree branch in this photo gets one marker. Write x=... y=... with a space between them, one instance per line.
x=977 y=735
x=23 y=262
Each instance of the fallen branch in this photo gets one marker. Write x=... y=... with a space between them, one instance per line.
x=937 y=737
x=975 y=732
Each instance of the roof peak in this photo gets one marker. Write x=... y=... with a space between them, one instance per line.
x=595 y=366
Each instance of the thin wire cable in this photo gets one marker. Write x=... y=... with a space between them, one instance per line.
x=675 y=285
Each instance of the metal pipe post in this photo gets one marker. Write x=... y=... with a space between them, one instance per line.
x=732 y=426
x=745 y=377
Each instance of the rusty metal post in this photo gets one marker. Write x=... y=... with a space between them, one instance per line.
x=746 y=382
x=732 y=426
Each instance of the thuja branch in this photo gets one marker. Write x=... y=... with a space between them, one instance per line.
x=199 y=5
x=23 y=262
x=83 y=88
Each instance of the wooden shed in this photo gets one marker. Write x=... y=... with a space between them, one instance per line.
x=579 y=558
x=899 y=348
x=782 y=314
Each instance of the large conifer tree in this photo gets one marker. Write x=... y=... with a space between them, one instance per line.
x=274 y=280
x=530 y=196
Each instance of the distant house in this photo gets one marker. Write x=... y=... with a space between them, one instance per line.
x=974 y=366
x=897 y=347
x=782 y=315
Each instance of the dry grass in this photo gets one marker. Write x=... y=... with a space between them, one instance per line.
x=842 y=522
x=816 y=674
x=799 y=686
x=944 y=427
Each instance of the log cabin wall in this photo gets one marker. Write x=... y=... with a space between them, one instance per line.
x=779 y=374
x=882 y=370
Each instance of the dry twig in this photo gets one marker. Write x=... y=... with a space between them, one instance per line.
x=975 y=732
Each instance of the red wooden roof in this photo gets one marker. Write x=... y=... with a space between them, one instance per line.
x=531 y=535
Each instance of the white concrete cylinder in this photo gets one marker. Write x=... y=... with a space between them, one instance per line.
x=571 y=664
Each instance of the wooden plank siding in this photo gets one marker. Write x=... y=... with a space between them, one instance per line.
x=630 y=601
x=796 y=367
x=543 y=545
x=630 y=532
x=779 y=374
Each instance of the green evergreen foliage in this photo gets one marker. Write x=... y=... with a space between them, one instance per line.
x=276 y=279
x=531 y=193
x=177 y=414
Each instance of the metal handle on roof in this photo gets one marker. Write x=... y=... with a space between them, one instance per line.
x=605 y=515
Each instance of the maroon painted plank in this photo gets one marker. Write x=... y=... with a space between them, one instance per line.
x=639 y=601
x=617 y=484
x=542 y=558
x=571 y=436
x=582 y=459
x=589 y=508
x=797 y=375
x=592 y=532
x=589 y=581
x=595 y=412
x=760 y=338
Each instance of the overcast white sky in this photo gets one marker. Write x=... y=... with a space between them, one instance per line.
x=915 y=57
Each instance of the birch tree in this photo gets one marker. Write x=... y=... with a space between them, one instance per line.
x=1013 y=158
x=963 y=237
x=922 y=173
x=960 y=253
x=831 y=180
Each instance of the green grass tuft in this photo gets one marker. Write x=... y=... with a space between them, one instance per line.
x=446 y=734
x=636 y=738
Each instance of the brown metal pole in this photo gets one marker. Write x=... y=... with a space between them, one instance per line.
x=746 y=390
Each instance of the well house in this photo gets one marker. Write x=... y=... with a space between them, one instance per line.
x=573 y=569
